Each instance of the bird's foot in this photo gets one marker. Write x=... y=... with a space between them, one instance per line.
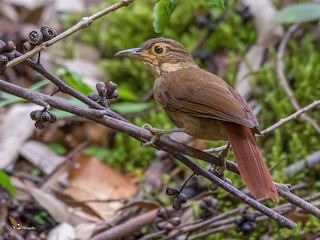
x=223 y=156
x=157 y=133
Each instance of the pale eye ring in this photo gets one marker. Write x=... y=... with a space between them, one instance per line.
x=158 y=49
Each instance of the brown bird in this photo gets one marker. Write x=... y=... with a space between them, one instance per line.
x=205 y=107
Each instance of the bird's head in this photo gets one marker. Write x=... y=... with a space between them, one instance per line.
x=161 y=55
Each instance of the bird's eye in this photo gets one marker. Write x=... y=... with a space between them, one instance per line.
x=158 y=49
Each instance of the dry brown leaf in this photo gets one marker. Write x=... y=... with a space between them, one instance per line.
x=9 y=12
x=62 y=232
x=145 y=204
x=76 y=204
x=57 y=209
x=85 y=231
x=16 y=128
x=41 y=156
x=21 y=187
x=90 y=179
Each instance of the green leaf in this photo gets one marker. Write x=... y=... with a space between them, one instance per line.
x=74 y=80
x=125 y=94
x=57 y=148
x=10 y=99
x=161 y=14
x=6 y=183
x=298 y=13
x=39 y=84
x=131 y=107
x=219 y=3
x=98 y=152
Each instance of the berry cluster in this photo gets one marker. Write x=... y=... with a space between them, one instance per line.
x=37 y=37
x=246 y=223
x=166 y=219
x=42 y=117
x=180 y=198
x=6 y=53
x=106 y=92
x=206 y=21
x=208 y=207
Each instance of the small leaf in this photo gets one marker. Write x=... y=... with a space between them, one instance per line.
x=161 y=14
x=74 y=80
x=6 y=183
x=219 y=3
x=130 y=107
x=126 y=94
x=298 y=13
x=57 y=148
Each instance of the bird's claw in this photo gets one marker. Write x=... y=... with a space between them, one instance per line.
x=149 y=127
x=157 y=133
x=151 y=141
x=223 y=156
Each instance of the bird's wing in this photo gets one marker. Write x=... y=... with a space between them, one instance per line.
x=192 y=91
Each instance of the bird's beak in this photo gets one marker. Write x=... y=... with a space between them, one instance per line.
x=130 y=53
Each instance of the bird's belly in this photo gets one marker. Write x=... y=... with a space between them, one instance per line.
x=203 y=128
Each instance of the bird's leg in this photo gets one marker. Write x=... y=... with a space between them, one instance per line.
x=158 y=133
x=223 y=156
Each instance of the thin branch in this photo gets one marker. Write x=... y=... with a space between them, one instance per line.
x=139 y=134
x=291 y=117
x=65 y=88
x=128 y=227
x=216 y=221
x=290 y=197
x=274 y=126
x=283 y=79
x=83 y=23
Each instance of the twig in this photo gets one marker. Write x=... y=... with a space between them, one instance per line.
x=140 y=133
x=189 y=227
x=291 y=117
x=290 y=197
x=232 y=190
x=128 y=227
x=164 y=143
x=298 y=166
x=70 y=156
x=13 y=233
x=83 y=23
x=274 y=126
x=65 y=88
x=283 y=79
x=217 y=229
x=217 y=149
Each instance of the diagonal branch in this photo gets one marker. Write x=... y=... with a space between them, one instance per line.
x=83 y=23
x=143 y=134
x=292 y=116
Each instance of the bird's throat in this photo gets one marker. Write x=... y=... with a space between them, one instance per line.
x=159 y=69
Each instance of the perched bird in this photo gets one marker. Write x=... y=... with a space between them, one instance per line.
x=205 y=107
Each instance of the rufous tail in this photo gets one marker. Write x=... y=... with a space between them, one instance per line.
x=251 y=166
